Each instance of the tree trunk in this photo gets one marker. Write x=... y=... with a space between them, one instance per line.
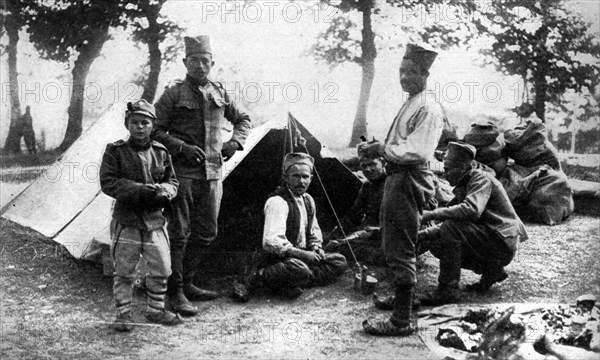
x=87 y=54
x=574 y=129
x=155 y=58
x=541 y=70
x=13 y=139
x=369 y=53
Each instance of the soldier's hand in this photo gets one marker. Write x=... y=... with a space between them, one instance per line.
x=320 y=254
x=307 y=256
x=193 y=153
x=229 y=148
x=147 y=192
x=427 y=216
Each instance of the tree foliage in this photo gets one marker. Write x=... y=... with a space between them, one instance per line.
x=544 y=43
x=343 y=42
x=152 y=29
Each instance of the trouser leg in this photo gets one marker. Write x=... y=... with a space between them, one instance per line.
x=287 y=273
x=405 y=195
x=328 y=270
x=155 y=249
x=125 y=250
x=207 y=196
x=179 y=228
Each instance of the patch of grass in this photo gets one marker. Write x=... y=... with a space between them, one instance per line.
x=581 y=172
x=28 y=160
x=25 y=167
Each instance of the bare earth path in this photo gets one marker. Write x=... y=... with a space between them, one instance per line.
x=52 y=306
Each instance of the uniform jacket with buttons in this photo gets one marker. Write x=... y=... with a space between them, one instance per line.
x=481 y=199
x=191 y=114
x=125 y=170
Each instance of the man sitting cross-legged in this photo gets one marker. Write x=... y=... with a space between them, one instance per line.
x=293 y=257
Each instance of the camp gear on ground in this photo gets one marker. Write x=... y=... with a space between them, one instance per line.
x=529 y=146
x=481 y=135
x=539 y=194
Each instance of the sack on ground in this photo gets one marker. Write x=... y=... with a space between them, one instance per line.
x=539 y=194
x=529 y=146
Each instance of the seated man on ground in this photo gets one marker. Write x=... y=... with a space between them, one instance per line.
x=293 y=257
x=362 y=220
x=479 y=229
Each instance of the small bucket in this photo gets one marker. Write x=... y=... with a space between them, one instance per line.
x=368 y=285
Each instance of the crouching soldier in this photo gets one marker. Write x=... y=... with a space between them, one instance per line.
x=292 y=239
x=137 y=172
x=363 y=217
x=479 y=229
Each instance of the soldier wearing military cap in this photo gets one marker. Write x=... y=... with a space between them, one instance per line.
x=138 y=174
x=190 y=115
x=478 y=230
x=409 y=145
x=361 y=222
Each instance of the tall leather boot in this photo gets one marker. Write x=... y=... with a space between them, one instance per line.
x=192 y=260
x=447 y=291
x=400 y=323
x=177 y=300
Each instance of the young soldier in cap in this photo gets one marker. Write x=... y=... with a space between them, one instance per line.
x=362 y=220
x=139 y=175
x=292 y=237
x=479 y=228
x=409 y=186
x=190 y=115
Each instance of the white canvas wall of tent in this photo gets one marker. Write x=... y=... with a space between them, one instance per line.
x=65 y=203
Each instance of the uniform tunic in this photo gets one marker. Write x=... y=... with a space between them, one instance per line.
x=480 y=227
x=192 y=114
x=137 y=227
x=410 y=144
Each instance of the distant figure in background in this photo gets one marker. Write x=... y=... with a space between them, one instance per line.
x=362 y=220
x=479 y=228
x=28 y=133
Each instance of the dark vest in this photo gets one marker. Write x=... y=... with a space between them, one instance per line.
x=292 y=225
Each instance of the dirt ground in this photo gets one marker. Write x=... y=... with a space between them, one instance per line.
x=52 y=306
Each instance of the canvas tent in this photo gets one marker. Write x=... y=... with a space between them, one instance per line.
x=66 y=204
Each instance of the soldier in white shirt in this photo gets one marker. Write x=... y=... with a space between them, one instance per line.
x=409 y=146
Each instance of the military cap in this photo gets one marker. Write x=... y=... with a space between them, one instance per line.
x=297 y=158
x=140 y=107
x=197 y=44
x=365 y=151
x=420 y=55
x=460 y=152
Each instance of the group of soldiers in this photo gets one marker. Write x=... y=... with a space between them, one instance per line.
x=181 y=135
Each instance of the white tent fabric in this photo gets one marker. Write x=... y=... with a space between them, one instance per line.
x=66 y=203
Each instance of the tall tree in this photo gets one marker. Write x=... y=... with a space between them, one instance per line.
x=13 y=21
x=336 y=45
x=62 y=29
x=544 y=43
x=152 y=29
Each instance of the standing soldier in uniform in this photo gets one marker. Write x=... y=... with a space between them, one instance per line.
x=190 y=115
x=410 y=144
